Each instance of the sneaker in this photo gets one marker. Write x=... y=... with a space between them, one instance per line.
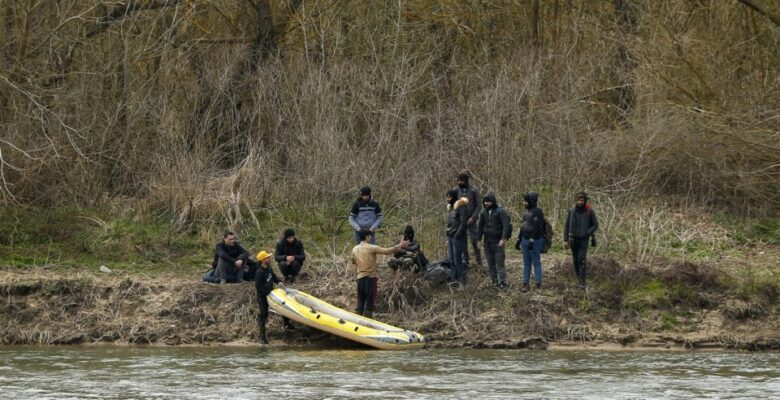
x=525 y=288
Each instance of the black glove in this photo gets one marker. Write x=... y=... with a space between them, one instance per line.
x=519 y=243
x=592 y=241
x=530 y=244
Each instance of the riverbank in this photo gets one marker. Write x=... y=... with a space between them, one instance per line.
x=662 y=305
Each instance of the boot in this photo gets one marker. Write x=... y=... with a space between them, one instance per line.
x=538 y=285
x=263 y=338
x=525 y=288
x=368 y=313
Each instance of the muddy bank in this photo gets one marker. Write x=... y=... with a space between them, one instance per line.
x=667 y=306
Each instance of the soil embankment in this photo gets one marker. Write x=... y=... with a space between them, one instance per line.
x=677 y=305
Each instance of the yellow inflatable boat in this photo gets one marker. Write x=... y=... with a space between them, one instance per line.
x=311 y=311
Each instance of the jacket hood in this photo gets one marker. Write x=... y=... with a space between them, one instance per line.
x=461 y=202
x=583 y=195
x=490 y=197
x=409 y=232
x=532 y=198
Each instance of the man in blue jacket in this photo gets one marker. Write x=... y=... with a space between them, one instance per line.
x=365 y=214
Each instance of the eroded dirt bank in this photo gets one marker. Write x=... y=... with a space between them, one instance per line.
x=671 y=306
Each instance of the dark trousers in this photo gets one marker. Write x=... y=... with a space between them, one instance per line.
x=496 y=257
x=579 y=252
x=290 y=269
x=262 y=301
x=457 y=268
x=472 y=237
x=229 y=272
x=366 y=295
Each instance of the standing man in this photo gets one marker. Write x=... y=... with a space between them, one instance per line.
x=457 y=219
x=232 y=259
x=531 y=239
x=580 y=225
x=365 y=214
x=264 y=284
x=364 y=258
x=290 y=256
x=472 y=212
x=493 y=227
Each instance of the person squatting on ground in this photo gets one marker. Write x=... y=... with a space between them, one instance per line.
x=531 y=239
x=264 y=284
x=410 y=259
x=365 y=214
x=494 y=230
x=457 y=221
x=472 y=212
x=580 y=225
x=290 y=255
x=232 y=259
x=364 y=258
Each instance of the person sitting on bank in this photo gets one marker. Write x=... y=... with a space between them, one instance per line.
x=264 y=284
x=364 y=258
x=232 y=259
x=290 y=255
x=410 y=259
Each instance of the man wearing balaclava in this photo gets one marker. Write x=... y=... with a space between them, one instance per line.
x=580 y=225
x=290 y=255
x=472 y=213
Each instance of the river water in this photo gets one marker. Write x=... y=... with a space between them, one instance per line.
x=279 y=372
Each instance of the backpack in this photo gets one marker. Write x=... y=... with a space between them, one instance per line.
x=548 y=236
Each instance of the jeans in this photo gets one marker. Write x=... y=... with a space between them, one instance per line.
x=371 y=240
x=457 y=269
x=532 y=256
x=579 y=253
x=495 y=259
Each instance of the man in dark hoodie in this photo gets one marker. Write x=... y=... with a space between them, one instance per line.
x=457 y=220
x=232 y=259
x=472 y=213
x=290 y=256
x=493 y=228
x=531 y=239
x=264 y=284
x=365 y=214
x=411 y=258
x=580 y=225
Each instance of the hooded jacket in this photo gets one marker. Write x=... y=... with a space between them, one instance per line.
x=493 y=222
x=581 y=222
x=457 y=218
x=533 y=226
x=365 y=214
x=413 y=246
x=284 y=249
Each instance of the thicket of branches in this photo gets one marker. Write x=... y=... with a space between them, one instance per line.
x=184 y=104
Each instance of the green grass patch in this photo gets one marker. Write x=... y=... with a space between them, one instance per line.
x=649 y=295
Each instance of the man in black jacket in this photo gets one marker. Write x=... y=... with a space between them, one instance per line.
x=456 y=236
x=264 y=284
x=472 y=213
x=232 y=259
x=493 y=228
x=531 y=239
x=290 y=256
x=580 y=225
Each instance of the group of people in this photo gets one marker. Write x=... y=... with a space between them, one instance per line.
x=474 y=219
x=471 y=219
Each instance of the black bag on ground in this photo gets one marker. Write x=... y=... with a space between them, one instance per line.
x=438 y=272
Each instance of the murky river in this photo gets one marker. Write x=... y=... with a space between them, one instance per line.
x=255 y=373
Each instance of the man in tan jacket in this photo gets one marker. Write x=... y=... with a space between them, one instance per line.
x=364 y=258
